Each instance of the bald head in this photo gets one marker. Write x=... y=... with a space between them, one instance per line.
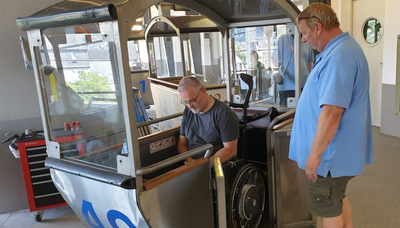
x=188 y=83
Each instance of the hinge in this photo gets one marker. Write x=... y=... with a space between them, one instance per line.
x=212 y=185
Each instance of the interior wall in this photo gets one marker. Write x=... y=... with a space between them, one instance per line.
x=352 y=16
x=19 y=106
x=390 y=122
x=344 y=9
x=362 y=10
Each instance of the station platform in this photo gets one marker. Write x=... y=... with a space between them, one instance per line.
x=373 y=206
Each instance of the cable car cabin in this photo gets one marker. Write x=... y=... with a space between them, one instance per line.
x=95 y=63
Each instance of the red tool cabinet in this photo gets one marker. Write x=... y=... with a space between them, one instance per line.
x=40 y=189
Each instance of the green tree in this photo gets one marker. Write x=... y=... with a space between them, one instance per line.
x=241 y=54
x=90 y=82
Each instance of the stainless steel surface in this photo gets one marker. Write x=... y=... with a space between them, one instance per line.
x=82 y=16
x=397 y=95
x=280 y=118
x=98 y=204
x=297 y=67
x=258 y=23
x=291 y=186
x=94 y=173
x=287 y=183
x=220 y=189
x=271 y=166
x=185 y=24
x=185 y=201
x=152 y=168
x=220 y=12
x=227 y=70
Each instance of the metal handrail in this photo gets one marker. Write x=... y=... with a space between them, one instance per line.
x=280 y=118
x=164 y=118
x=180 y=157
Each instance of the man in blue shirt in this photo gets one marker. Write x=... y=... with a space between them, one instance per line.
x=286 y=66
x=332 y=132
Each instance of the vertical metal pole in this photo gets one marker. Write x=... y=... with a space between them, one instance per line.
x=297 y=64
x=227 y=65
x=220 y=183
x=180 y=37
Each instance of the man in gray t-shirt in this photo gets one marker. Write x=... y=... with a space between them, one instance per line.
x=206 y=120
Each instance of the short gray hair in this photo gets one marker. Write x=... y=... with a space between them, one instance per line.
x=188 y=83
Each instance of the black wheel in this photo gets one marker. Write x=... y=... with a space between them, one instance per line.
x=247 y=201
x=38 y=215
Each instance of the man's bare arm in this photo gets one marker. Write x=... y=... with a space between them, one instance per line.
x=182 y=144
x=182 y=147
x=328 y=123
x=226 y=153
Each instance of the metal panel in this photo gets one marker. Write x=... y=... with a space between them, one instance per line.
x=98 y=204
x=140 y=80
x=82 y=16
x=185 y=24
x=220 y=185
x=397 y=95
x=83 y=170
x=220 y=12
x=185 y=201
x=291 y=186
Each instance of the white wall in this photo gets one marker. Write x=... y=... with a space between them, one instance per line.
x=390 y=124
x=391 y=29
x=19 y=105
x=343 y=9
x=352 y=15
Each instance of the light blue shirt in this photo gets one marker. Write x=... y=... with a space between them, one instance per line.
x=286 y=62
x=339 y=77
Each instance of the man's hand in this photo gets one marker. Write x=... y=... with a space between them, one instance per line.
x=328 y=123
x=312 y=164
x=278 y=78
x=227 y=152
x=189 y=160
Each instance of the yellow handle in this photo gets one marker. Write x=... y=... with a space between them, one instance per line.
x=53 y=87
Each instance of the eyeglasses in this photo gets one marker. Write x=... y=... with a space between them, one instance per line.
x=191 y=101
x=309 y=17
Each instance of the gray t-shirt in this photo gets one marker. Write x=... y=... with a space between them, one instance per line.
x=219 y=124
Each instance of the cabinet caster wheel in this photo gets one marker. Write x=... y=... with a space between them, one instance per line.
x=39 y=215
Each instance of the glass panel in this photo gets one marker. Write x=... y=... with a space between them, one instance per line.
x=202 y=53
x=138 y=58
x=256 y=52
x=152 y=57
x=82 y=93
x=216 y=59
x=186 y=57
x=161 y=46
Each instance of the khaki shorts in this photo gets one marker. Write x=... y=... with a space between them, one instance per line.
x=325 y=196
